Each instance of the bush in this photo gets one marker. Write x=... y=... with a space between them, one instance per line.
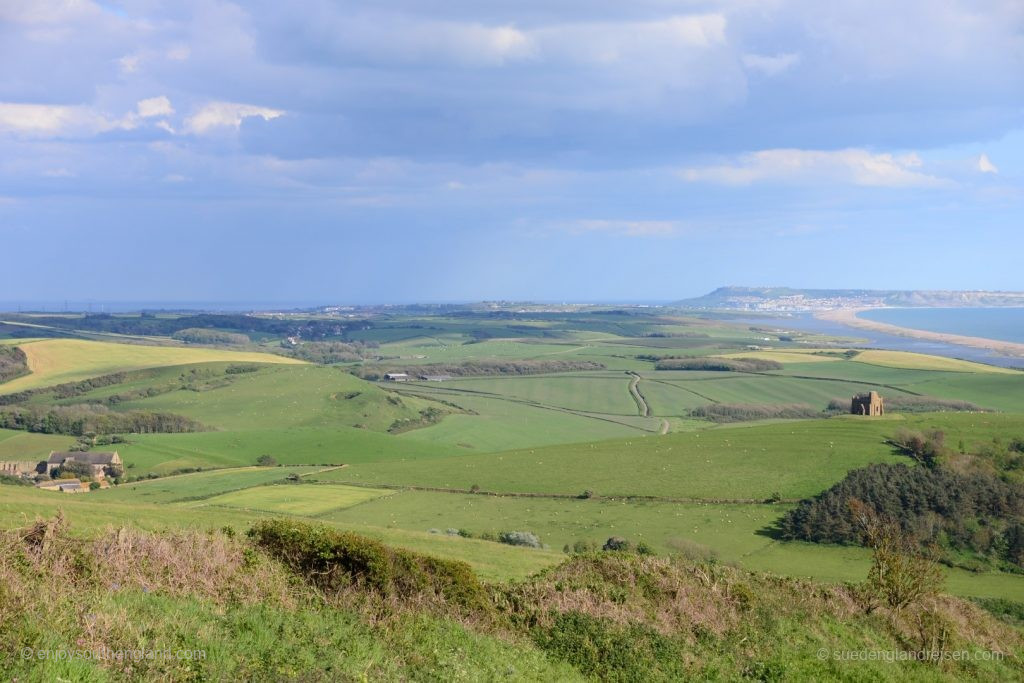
x=928 y=447
x=523 y=538
x=266 y=461
x=337 y=560
x=617 y=544
x=718 y=364
x=745 y=412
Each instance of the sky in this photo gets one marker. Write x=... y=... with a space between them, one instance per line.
x=559 y=150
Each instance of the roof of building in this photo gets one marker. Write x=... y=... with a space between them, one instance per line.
x=92 y=458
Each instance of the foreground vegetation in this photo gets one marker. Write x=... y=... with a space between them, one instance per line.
x=298 y=602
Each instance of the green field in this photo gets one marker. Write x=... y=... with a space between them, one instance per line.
x=794 y=459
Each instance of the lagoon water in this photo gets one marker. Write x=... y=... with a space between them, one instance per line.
x=1005 y=324
x=880 y=340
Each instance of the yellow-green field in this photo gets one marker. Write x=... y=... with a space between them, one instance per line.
x=53 y=361
x=789 y=356
x=920 y=361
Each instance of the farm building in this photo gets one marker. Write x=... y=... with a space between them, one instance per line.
x=17 y=468
x=64 y=486
x=100 y=464
x=396 y=377
x=870 y=403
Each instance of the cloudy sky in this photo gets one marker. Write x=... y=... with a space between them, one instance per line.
x=429 y=150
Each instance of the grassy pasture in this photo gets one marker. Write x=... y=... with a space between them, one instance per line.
x=729 y=529
x=197 y=485
x=27 y=446
x=54 y=361
x=590 y=392
x=288 y=396
x=164 y=453
x=497 y=423
x=795 y=459
x=294 y=499
x=745 y=388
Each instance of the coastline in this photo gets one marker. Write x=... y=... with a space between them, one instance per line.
x=848 y=317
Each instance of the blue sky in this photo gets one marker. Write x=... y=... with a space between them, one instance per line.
x=429 y=150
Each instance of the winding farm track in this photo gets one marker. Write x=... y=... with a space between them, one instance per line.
x=641 y=403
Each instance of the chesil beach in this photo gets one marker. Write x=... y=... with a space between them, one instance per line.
x=850 y=318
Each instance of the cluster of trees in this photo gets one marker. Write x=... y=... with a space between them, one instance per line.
x=326 y=353
x=482 y=367
x=958 y=514
x=13 y=363
x=92 y=418
x=199 y=335
x=718 y=364
x=745 y=412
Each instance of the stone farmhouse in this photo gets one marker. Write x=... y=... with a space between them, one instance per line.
x=101 y=464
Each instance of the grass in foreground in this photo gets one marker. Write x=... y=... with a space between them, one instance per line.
x=341 y=607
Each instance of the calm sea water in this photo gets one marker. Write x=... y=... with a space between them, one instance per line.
x=1006 y=324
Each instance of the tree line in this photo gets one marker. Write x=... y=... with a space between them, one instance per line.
x=718 y=364
x=92 y=418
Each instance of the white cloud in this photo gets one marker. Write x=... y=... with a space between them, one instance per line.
x=853 y=166
x=155 y=106
x=986 y=166
x=129 y=64
x=626 y=228
x=227 y=115
x=771 y=65
x=48 y=120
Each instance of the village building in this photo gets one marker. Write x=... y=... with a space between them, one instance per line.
x=870 y=404
x=396 y=377
x=100 y=464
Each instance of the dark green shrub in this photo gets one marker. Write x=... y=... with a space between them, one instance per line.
x=335 y=560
